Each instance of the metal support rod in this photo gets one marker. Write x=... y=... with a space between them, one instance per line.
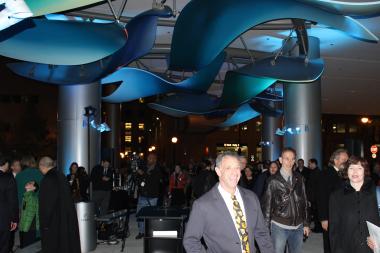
x=273 y=62
x=142 y=64
x=175 y=8
x=112 y=10
x=171 y=23
x=246 y=48
x=122 y=9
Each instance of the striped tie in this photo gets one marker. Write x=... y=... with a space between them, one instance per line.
x=241 y=223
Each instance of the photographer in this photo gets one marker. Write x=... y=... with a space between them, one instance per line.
x=149 y=180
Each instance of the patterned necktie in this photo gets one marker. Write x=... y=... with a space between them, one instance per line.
x=241 y=223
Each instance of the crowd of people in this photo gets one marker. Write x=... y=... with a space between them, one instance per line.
x=273 y=205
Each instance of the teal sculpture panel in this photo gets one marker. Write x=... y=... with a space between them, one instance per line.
x=64 y=42
x=141 y=36
x=184 y=104
x=42 y=7
x=240 y=88
x=286 y=69
x=357 y=9
x=204 y=28
x=244 y=113
x=137 y=83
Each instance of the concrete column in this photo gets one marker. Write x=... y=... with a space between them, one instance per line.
x=302 y=108
x=111 y=147
x=72 y=128
x=271 y=147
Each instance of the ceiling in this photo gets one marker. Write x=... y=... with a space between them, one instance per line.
x=350 y=83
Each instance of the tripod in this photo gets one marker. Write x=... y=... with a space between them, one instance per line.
x=125 y=233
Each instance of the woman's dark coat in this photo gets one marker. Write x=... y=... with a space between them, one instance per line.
x=349 y=210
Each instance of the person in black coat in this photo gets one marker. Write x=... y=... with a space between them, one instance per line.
x=58 y=218
x=102 y=184
x=261 y=180
x=329 y=181
x=311 y=191
x=8 y=205
x=350 y=207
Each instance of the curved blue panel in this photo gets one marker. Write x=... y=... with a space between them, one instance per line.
x=196 y=40
x=286 y=69
x=242 y=114
x=137 y=83
x=64 y=42
x=180 y=105
x=141 y=36
x=366 y=9
x=240 y=88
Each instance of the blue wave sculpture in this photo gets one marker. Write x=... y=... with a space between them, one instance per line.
x=357 y=9
x=141 y=36
x=137 y=83
x=196 y=40
x=286 y=69
x=183 y=104
x=64 y=42
x=238 y=89
x=244 y=113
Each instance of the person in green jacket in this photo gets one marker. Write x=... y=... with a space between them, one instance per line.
x=29 y=173
x=29 y=221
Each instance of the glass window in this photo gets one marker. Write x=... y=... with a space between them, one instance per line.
x=353 y=129
x=128 y=125
x=341 y=128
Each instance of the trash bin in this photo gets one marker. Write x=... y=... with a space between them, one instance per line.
x=87 y=226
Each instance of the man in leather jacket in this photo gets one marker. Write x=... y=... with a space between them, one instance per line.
x=285 y=207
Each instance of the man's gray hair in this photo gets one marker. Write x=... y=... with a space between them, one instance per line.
x=336 y=154
x=46 y=162
x=220 y=157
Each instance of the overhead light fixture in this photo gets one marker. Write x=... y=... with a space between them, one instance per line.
x=365 y=120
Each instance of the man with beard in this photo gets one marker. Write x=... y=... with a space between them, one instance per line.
x=330 y=180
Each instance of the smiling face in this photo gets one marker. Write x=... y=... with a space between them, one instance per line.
x=355 y=173
x=229 y=173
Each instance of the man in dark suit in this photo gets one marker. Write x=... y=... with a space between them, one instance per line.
x=102 y=183
x=58 y=218
x=8 y=205
x=228 y=217
x=304 y=171
x=329 y=181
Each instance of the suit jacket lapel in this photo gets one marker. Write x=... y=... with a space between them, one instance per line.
x=224 y=212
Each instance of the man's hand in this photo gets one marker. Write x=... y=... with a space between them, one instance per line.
x=325 y=224
x=306 y=231
x=13 y=226
x=104 y=178
x=371 y=243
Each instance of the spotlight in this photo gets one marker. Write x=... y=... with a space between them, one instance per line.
x=364 y=120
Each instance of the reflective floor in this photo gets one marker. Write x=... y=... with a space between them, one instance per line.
x=313 y=245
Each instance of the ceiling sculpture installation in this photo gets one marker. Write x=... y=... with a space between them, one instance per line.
x=74 y=52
